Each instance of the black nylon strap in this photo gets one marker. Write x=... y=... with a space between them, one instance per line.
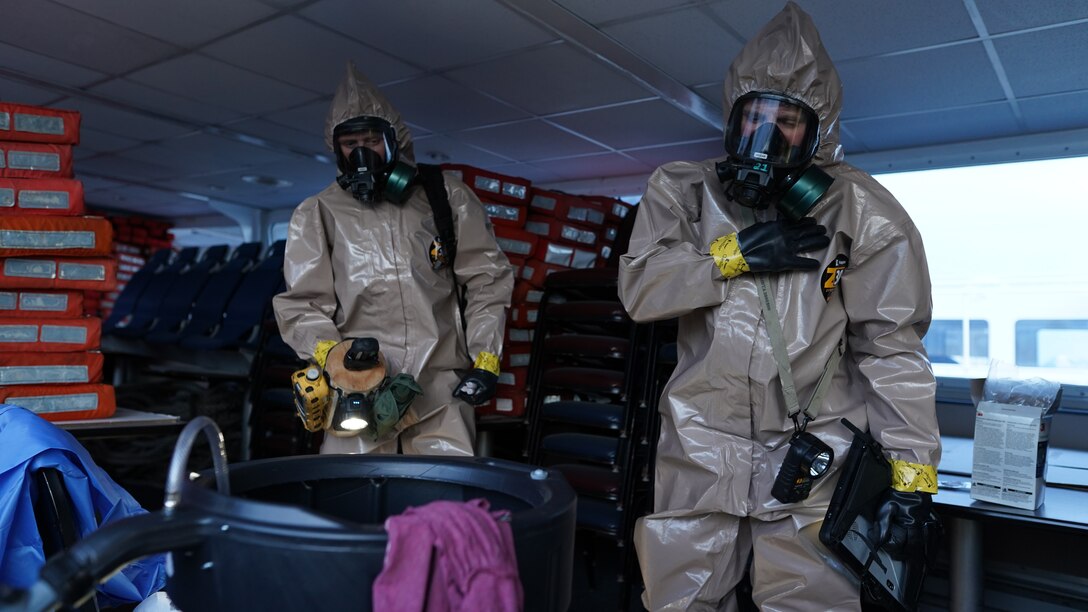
x=430 y=176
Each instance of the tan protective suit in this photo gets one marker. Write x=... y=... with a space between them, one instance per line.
x=355 y=269
x=724 y=430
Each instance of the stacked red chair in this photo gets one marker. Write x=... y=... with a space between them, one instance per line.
x=51 y=255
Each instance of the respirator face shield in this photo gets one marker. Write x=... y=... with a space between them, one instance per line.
x=770 y=139
x=367 y=156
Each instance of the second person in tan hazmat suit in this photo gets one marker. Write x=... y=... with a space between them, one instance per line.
x=705 y=234
x=364 y=259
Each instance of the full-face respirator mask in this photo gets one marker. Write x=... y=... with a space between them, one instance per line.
x=771 y=140
x=364 y=172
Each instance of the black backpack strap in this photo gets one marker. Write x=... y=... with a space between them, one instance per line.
x=434 y=184
x=430 y=176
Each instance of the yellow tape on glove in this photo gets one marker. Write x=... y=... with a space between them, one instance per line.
x=321 y=351
x=487 y=361
x=726 y=253
x=910 y=477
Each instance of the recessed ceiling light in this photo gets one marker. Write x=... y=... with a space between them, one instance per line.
x=266 y=181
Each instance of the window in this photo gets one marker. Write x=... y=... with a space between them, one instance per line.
x=1052 y=344
x=1005 y=249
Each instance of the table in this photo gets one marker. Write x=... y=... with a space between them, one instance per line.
x=1063 y=509
x=124 y=423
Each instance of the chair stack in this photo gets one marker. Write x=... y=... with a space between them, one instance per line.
x=589 y=411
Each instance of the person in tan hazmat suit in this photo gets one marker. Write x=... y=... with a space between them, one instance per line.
x=364 y=259
x=705 y=233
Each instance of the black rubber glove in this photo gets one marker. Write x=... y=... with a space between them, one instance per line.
x=773 y=246
x=477 y=386
x=901 y=524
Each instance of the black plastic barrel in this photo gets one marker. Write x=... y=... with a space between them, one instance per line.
x=266 y=557
x=307 y=533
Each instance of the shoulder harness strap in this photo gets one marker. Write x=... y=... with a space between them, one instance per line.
x=434 y=184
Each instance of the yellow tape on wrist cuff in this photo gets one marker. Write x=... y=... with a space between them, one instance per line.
x=726 y=253
x=909 y=477
x=321 y=351
x=487 y=361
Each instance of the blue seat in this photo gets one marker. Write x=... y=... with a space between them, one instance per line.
x=151 y=300
x=179 y=297
x=207 y=308
x=247 y=309
x=125 y=303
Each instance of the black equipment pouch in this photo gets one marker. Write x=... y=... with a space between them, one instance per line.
x=865 y=477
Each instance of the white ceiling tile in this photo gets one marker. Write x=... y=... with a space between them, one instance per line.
x=94 y=141
x=306 y=178
x=444 y=149
x=120 y=121
x=955 y=125
x=594 y=166
x=188 y=23
x=527 y=141
x=128 y=169
x=308 y=118
x=34 y=66
x=442 y=105
x=203 y=78
x=1010 y=15
x=701 y=54
x=927 y=80
x=636 y=125
x=430 y=34
x=298 y=140
x=146 y=202
x=859 y=28
x=550 y=79
x=1029 y=64
x=692 y=151
x=21 y=93
x=71 y=36
x=183 y=109
x=205 y=154
x=597 y=12
x=296 y=51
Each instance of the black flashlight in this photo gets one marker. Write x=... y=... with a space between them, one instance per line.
x=807 y=459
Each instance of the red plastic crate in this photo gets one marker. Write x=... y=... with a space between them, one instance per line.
x=509 y=215
x=35 y=160
x=63 y=236
x=41 y=197
x=492 y=185
x=97 y=273
x=63 y=402
x=516 y=242
x=26 y=303
x=50 y=335
x=559 y=230
x=26 y=123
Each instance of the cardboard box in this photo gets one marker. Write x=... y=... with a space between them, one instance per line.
x=1009 y=462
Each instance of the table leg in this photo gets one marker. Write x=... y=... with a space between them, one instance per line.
x=965 y=556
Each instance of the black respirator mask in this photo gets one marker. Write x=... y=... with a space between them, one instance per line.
x=771 y=140
x=364 y=173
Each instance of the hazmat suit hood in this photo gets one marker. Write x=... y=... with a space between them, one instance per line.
x=356 y=96
x=788 y=57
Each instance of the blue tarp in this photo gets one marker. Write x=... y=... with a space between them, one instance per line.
x=29 y=443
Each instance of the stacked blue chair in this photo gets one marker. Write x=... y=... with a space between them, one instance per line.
x=207 y=307
x=179 y=297
x=153 y=296
x=252 y=300
x=125 y=303
x=588 y=412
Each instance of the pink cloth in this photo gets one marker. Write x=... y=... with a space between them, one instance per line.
x=447 y=556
